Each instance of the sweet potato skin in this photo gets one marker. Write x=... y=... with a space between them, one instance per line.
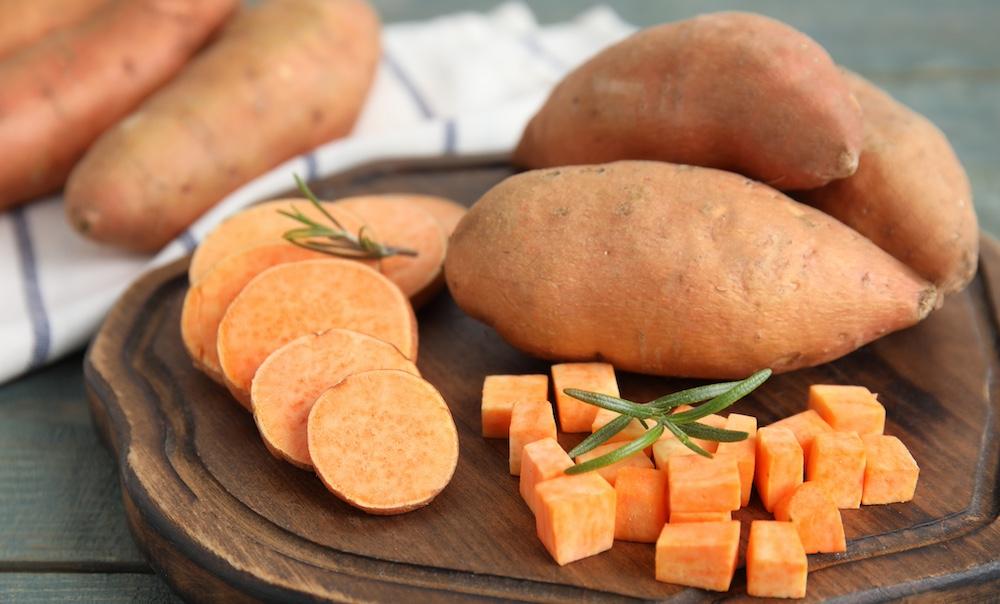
x=736 y=91
x=673 y=270
x=910 y=194
x=22 y=23
x=227 y=119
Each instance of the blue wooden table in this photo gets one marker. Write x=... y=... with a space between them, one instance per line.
x=63 y=535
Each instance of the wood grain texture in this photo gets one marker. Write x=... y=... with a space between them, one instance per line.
x=220 y=517
x=57 y=588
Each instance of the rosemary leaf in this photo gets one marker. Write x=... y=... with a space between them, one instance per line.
x=603 y=434
x=612 y=403
x=706 y=432
x=685 y=440
x=637 y=445
x=724 y=400
x=691 y=395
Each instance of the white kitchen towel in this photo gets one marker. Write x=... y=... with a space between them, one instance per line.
x=459 y=84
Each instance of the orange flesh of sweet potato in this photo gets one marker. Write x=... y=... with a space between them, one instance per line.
x=698 y=555
x=641 y=508
x=631 y=432
x=575 y=415
x=501 y=392
x=529 y=421
x=384 y=441
x=540 y=461
x=686 y=517
x=575 y=517
x=291 y=378
x=207 y=300
x=805 y=426
x=291 y=300
x=699 y=484
x=666 y=447
x=815 y=516
x=610 y=473
x=23 y=23
x=837 y=461
x=891 y=472
x=776 y=561
x=445 y=211
x=779 y=464
x=744 y=451
x=848 y=408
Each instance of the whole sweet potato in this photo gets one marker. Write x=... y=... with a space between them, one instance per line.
x=910 y=194
x=24 y=22
x=283 y=77
x=673 y=270
x=735 y=91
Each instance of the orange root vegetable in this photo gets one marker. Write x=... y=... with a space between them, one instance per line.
x=715 y=420
x=779 y=464
x=744 y=451
x=292 y=377
x=848 y=408
x=666 y=447
x=641 y=508
x=610 y=472
x=445 y=211
x=63 y=92
x=891 y=472
x=529 y=421
x=837 y=461
x=227 y=118
x=776 y=561
x=575 y=516
x=698 y=555
x=383 y=441
x=689 y=517
x=699 y=484
x=540 y=461
x=207 y=300
x=816 y=518
x=502 y=392
x=291 y=300
x=575 y=415
x=631 y=432
x=22 y=23
x=805 y=426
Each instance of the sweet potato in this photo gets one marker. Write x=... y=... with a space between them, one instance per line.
x=698 y=484
x=530 y=421
x=673 y=270
x=891 y=473
x=207 y=300
x=736 y=91
x=779 y=465
x=384 y=441
x=291 y=300
x=805 y=426
x=22 y=23
x=776 y=561
x=641 y=504
x=292 y=377
x=848 y=408
x=447 y=212
x=63 y=92
x=689 y=517
x=285 y=76
x=610 y=472
x=910 y=194
x=743 y=451
x=837 y=461
x=575 y=415
x=575 y=516
x=698 y=555
x=540 y=461
x=815 y=516
x=501 y=393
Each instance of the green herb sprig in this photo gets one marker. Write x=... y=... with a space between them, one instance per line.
x=335 y=239
x=661 y=413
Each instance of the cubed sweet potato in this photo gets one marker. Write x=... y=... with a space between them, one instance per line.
x=610 y=472
x=743 y=451
x=698 y=555
x=805 y=426
x=540 y=461
x=776 y=561
x=779 y=464
x=575 y=516
x=574 y=415
x=891 y=473
x=641 y=510
x=500 y=392
x=837 y=461
x=699 y=484
x=815 y=516
x=848 y=408
x=529 y=421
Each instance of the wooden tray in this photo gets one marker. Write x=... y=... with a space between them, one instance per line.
x=222 y=520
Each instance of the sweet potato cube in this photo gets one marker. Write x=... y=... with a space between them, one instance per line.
x=776 y=561
x=837 y=461
x=575 y=415
x=631 y=432
x=698 y=555
x=848 y=408
x=610 y=473
x=890 y=473
x=779 y=464
x=529 y=421
x=575 y=516
x=540 y=461
x=641 y=509
x=666 y=447
x=744 y=451
x=805 y=426
x=500 y=392
x=699 y=484
x=688 y=517
x=815 y=516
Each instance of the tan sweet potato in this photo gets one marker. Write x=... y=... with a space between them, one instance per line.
x=910 y=194
x=60 y=94
x=284 y=76
x=673 y=270
x=22 y=22
x=736 y=91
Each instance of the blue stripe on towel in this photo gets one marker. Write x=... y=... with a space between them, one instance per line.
x=188 y=241
x=312 y=166
x=40 y=327
x=411 y=88
x=450 y=136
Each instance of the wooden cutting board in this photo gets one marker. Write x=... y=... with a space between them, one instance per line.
x=222 y=520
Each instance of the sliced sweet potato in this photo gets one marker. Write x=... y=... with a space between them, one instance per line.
x=698 y=555
x=837 y=461
x=445 y=211
x=848 y=408
x=575 y=516
x=641 y=509
x=891 y=473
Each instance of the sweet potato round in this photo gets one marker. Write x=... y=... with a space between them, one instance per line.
x=673 y=270
x=736 y=91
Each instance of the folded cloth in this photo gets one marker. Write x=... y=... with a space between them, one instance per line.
x=460 y=84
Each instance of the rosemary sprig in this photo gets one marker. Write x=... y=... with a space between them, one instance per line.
x=334 y=239
x=684 y=425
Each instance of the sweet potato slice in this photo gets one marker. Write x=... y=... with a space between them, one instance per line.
x=290 y=379
x=384 y=441
x=446 y=212
x=292 y=300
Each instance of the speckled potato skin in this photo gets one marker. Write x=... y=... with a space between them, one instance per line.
x=910 y=194
x=734 y=91
x=673 y=270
